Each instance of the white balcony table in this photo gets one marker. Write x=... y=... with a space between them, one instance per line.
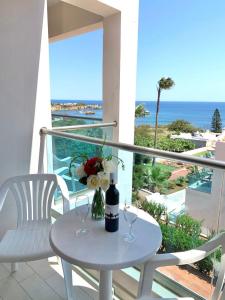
x=104 y=251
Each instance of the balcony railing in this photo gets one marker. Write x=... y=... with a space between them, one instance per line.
x=63 y=149
x=57 y=117
x=188 y=217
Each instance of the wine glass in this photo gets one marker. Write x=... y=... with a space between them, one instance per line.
x=82 y=206
x=130 y=215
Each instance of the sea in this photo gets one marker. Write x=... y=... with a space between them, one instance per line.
x=196 y=112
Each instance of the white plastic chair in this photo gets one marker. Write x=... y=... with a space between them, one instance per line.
x=61 y=166
x=33 y=195
x=183 y=258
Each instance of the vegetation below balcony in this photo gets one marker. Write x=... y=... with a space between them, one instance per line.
x=184 y=235
x=165 y=143
x=156 y=178
x=144 y=137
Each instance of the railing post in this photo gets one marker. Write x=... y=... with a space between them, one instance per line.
x=42 y=150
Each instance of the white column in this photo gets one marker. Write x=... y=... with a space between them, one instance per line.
x=119 y=82
x=24 y=86
x=218 y=189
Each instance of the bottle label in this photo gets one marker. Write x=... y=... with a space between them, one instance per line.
x=112 y=211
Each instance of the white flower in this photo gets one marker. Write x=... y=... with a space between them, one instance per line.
x=103 y=181
x=108 y=166
x=93 y=182
x=80 y=171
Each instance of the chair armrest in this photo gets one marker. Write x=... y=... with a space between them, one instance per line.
x=179 y=258
x=65 y=177
x=66 y=159
x=61 y=171
x=190 y=256
x=65 y=193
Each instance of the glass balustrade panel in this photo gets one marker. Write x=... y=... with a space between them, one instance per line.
x=188 y=217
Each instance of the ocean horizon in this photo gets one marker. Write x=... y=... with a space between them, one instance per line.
x=196 y=112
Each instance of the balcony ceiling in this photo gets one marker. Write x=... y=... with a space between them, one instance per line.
x=52 y=2
x=95 y=6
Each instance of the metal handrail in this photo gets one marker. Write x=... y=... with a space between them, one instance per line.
x=138 y=149
x=77 y=117
x=86 y=126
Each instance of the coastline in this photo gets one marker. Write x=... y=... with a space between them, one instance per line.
x=85 y=109
x=197 y=113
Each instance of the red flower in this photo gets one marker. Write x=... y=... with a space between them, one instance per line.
x=93 y=166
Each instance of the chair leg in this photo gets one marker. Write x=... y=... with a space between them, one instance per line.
x=146 y=279
x=14 y=267
x=67 y=271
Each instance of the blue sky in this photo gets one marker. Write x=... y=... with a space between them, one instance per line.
x=180 y=39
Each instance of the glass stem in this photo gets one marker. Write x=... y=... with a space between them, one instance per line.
x=130 y=230
x=82 y=223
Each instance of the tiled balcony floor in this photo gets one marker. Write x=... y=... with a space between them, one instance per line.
x=40 y=280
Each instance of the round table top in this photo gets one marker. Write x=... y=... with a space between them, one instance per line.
x=102 y=250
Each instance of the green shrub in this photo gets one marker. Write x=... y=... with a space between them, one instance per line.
x=156 y=210
x=167 y=238
x=189 y=225
x=157 y=179
x=184 y=241
x=171 y=184
x=175 y=239
x=135 y=197
x=175 y=145
x=164 y=143
x=141 y=159
x=205 y=265
x=164 y=189
x=139 y=177
x=180 y=181
x=146 y=159
x=185 y=236
x=182 y=126
x=137 y=159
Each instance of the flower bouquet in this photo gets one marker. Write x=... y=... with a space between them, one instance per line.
x=94 y=172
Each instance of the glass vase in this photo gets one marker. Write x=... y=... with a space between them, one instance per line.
x=98 y=205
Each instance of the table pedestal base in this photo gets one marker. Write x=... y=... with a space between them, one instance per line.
x=105 y=285
x=68 y=279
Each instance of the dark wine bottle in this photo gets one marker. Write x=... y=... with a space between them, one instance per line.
x=112 y=206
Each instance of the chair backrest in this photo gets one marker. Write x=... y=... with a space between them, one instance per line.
x=33 y=194
x=183 y=258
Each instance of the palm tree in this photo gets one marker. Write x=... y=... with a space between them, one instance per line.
x=163 y=84
x=140 y=111
x=157 y=178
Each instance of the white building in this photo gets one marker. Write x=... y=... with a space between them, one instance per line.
x=209 y=207
x=201 y=139
x=27 y=27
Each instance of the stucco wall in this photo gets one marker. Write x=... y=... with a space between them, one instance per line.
x=24 y=86
x=201 y=206
x=119 y=83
